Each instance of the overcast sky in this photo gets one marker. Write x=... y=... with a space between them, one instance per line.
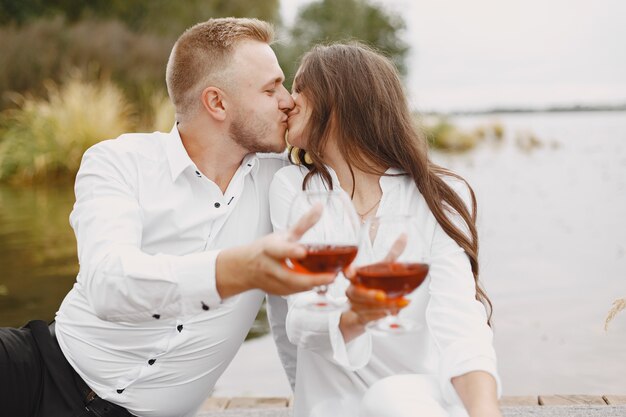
x=483 y=53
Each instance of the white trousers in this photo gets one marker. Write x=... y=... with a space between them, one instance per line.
x=409 y=395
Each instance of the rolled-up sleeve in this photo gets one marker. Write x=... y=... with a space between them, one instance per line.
x=457 y=321
x=121 y=281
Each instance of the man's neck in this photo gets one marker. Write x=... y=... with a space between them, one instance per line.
x=214 y=153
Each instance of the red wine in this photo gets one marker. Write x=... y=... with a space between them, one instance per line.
x=325 y=258
x=394 y=278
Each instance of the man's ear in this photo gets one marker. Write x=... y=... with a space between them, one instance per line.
x=213 y=101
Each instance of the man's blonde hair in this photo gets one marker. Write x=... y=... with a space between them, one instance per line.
x=201 y=55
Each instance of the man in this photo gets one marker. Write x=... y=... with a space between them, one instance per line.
x=158 y=311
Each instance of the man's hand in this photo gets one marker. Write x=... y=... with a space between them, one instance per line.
x=261 y=264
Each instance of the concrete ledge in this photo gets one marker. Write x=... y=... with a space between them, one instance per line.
x=523 y=406
x=523 y=411
x=566 y=411
x=248 y=412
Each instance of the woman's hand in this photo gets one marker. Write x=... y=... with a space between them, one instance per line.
x=365 y=306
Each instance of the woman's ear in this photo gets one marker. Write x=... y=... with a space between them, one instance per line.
x=214 y=103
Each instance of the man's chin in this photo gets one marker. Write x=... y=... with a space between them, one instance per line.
x=276 y=147
x=279 y=148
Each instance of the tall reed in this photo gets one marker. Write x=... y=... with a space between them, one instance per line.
x=43 y=139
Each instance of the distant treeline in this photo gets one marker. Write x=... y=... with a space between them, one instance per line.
x=553 y=109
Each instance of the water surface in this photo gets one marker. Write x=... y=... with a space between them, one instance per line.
x=552 y=222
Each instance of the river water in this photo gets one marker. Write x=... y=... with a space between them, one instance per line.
x=552 y=222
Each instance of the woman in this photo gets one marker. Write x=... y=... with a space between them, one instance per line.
x=352 y=119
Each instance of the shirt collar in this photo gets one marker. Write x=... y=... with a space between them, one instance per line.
x=176 y=154
x=179 y=159
x=386 y=181
x=250 y=164
x=389 y=180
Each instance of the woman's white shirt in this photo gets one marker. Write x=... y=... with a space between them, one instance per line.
x=453 y=339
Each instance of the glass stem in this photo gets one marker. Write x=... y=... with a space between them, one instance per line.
x=321 y=290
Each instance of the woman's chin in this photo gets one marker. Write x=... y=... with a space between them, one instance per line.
x=294 y=140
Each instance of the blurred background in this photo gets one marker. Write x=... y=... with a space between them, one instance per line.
x=526 y=100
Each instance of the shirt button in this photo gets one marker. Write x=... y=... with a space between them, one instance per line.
x=217 y=205
x=198 y=174
x=179 y=328
x=151 y=361
x=119 y=391
x=204 y=306
x=156 y=316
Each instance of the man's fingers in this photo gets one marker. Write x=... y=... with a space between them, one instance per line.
x=278 y=246
x=287 y=281
x=305 y=223
x=350 y=272
x=397 y=248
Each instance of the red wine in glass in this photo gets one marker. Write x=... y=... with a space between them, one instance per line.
x=396 y=279
x=331 y=244
x=394 y=260
x=322 y=258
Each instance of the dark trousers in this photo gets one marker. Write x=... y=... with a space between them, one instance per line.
x=37 y=381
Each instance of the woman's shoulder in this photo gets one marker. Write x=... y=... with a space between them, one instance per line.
x=291 y=174
x=289 y=177
x=293 y=170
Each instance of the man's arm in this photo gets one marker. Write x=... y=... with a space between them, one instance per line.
x=261 y=263
x=124 y=283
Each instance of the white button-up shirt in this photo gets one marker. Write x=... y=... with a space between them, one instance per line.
x=453 y=338
x=144 y=325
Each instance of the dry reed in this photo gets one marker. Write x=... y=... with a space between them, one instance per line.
x=618 y=305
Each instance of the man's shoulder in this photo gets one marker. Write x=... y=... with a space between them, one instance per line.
x=146 y=145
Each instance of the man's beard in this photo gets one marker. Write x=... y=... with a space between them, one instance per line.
x=246 y=133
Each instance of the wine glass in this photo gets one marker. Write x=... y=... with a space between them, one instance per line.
x=331 y=244
x=393 y=259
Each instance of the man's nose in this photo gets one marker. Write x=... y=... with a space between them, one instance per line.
x=285 y=102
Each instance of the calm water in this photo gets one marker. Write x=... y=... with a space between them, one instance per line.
x=553 y=250
x=38 y=261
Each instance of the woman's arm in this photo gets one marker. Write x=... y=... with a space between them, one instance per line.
x=478 y=391
x=458 y=321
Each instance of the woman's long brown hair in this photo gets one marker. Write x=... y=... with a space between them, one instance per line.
x=356 y=92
